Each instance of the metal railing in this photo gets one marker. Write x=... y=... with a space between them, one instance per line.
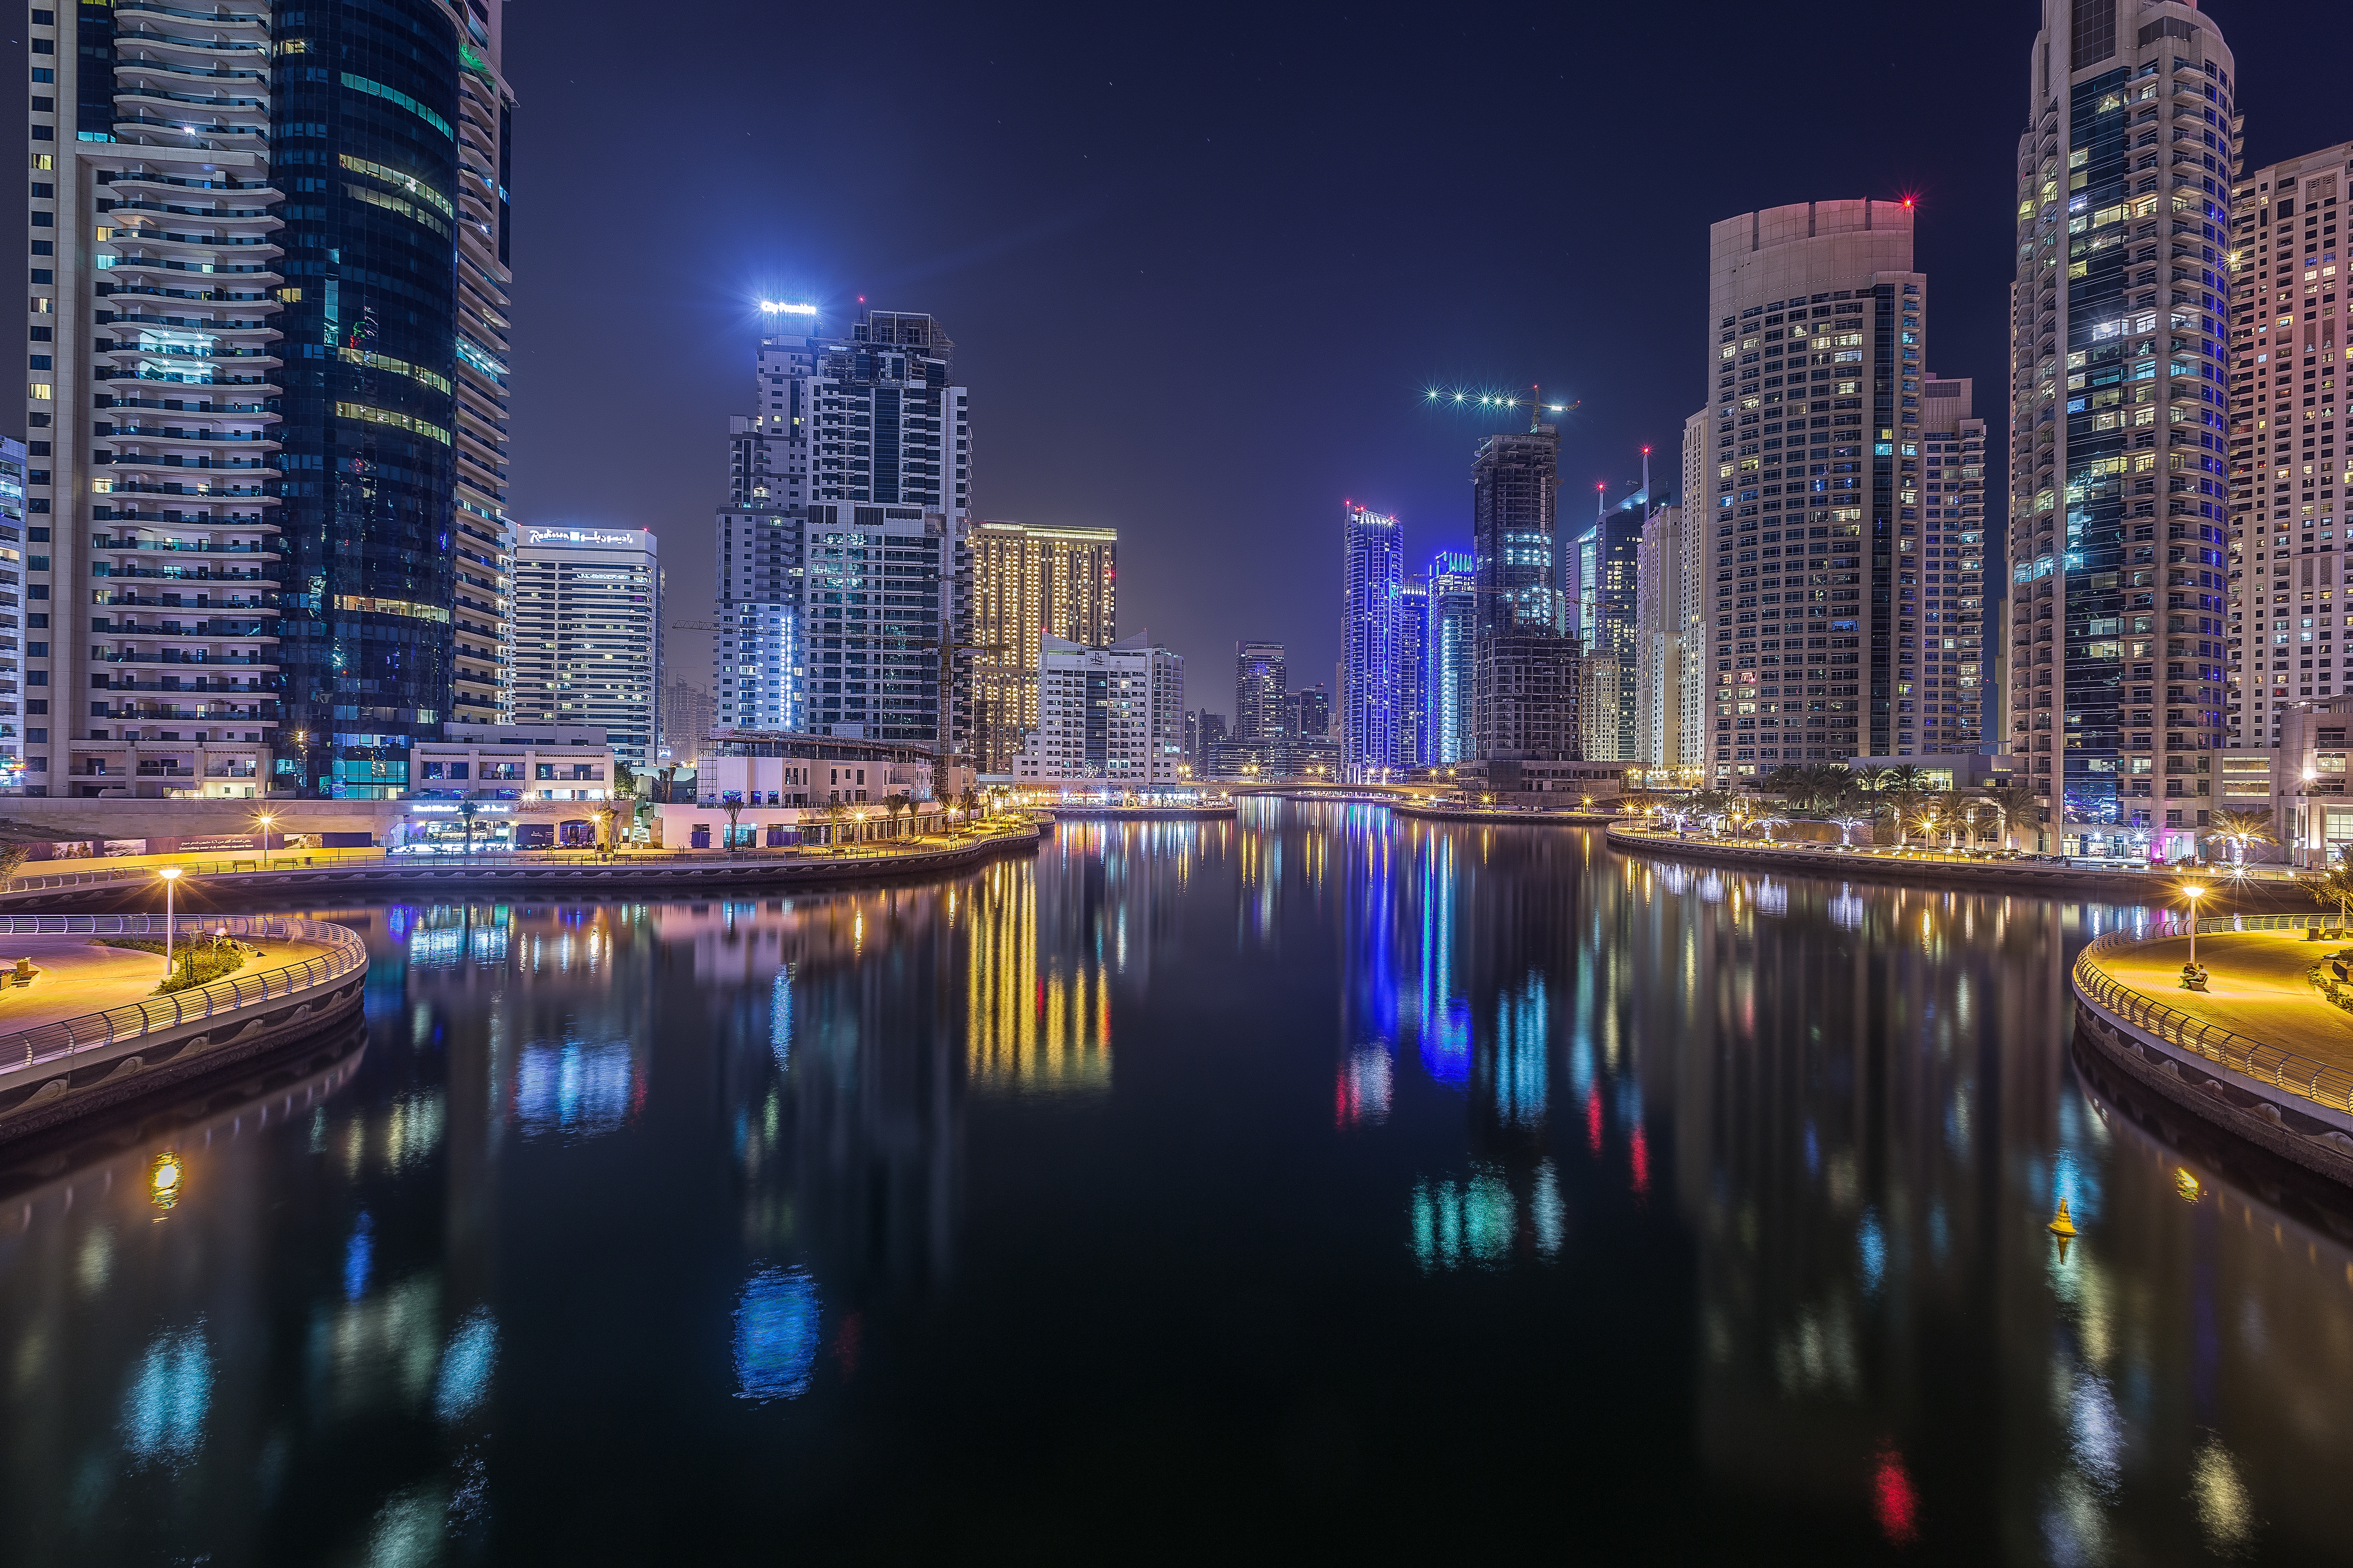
x=224 y=865
x=2299 y=1074
x=69 y=1037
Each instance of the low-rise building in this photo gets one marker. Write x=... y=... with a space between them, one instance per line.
x=791 y=788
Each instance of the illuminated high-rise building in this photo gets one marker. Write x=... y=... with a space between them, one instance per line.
x=1413 y=672
x=337 y=345
x=1955 y=651
x=1524 y=663
x=588 y=635
x=1261 y=682
x=1604 y=569
x=1448 y=655
x=1030 y=581
x=1372 y=598
x=1811 y=509
x=845 y=550
x=2120 y=318
x=1658 y=641
x=2291 y=477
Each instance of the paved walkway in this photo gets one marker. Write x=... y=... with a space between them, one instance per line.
x=78 y=976
x=2257 y=989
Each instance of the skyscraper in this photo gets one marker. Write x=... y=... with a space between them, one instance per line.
x=1606 y=565
x=1812 y=560
x=588 y=635
x=686 y=719
x=1692 y=577
x=1659 y=642
x=1449 y=657
x=2118 y=432
x=845 y=550
x=1523 y=700
x=12 y=611
x=341 y=352
x=1955 y=654
x=1413 y=672
x=1372 y=577
x=2292 y=481
x=1030 y=581
x=1261 y=683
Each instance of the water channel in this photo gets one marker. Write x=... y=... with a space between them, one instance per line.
x=1317 y=1179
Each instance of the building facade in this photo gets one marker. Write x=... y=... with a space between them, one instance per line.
x=588 y=635
x=12 y=611
x=1451 y=651
x=1413 y=672
x=1524 y=663
x=1108 y=718
x=1658 y=641
x=2119 y=418
x=1813 y=601
x=1957 y=672
x=844 y=567
x=2291 y=483
x=1028 y=582
x=1605 y=571
x=1261 y=682
x=343 y=192
x=1372 y=599
x=686 y=720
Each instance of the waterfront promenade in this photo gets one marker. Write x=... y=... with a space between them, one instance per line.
x=2261 y=1053
x=671 y=873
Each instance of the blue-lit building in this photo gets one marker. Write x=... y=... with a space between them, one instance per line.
x=1413 y=672
x=1451 y=609
x=1372 y=604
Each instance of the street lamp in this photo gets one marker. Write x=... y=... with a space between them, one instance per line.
x=170 y=875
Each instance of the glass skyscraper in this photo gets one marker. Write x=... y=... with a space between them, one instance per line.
x=1372 y=556
x=1448 y=649
x=273 y=244
x=2119 y=422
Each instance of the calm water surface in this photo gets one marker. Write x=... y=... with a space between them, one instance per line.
x=1316 y=1181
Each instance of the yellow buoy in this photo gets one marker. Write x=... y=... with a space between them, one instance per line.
x=2061 y=1224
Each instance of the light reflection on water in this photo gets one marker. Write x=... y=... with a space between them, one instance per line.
x=1124 y=1163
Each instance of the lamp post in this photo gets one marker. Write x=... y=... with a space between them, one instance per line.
x=170 y=875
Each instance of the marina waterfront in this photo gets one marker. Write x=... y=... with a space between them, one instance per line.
x=1315 y=1178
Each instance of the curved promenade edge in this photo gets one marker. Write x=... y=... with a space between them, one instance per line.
x=70 y=1067
x=2294 y=1105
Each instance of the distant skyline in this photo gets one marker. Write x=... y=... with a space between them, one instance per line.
x=1200 y=272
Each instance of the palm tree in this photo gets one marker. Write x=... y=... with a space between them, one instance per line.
x=2241 y=828
x=2012 y=804
x=2333 y=887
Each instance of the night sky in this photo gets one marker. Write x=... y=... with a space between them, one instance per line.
x=1200 y=268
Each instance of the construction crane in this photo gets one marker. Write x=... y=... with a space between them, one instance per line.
x=1468 y=402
